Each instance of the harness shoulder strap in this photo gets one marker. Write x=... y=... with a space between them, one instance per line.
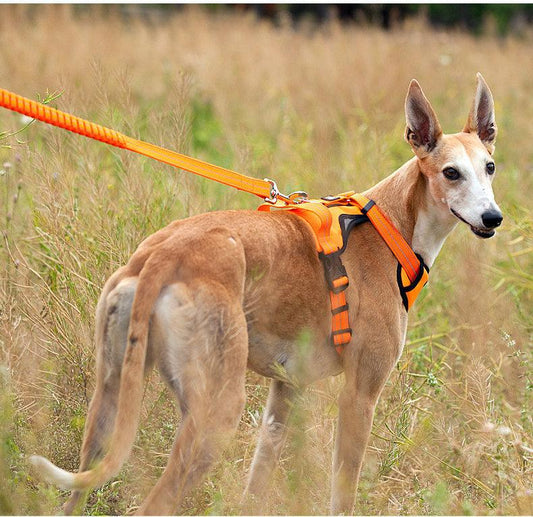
x=394 y=239
x=412 y=273
x=410 y=290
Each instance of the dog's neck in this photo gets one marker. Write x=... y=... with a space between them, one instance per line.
x=405 y=198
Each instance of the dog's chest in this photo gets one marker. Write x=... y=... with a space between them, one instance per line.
x=304 y=358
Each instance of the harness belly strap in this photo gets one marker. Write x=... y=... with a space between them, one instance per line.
x=331 y=219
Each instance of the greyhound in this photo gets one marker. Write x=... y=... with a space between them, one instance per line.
x=206 y=297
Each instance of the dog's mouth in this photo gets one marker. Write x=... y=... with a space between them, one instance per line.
x=483 y=233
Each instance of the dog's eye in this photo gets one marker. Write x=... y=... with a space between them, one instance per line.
x=451 y=173
x=491 y=168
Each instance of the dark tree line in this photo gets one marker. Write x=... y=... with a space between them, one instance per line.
x=508 y=17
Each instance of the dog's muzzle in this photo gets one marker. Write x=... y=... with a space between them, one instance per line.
x=491 y=219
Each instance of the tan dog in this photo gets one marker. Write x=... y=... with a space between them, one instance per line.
x=208 y=296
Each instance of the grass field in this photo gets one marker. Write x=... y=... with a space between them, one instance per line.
x=320 y=110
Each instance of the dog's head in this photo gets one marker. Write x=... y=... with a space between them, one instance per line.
x=459 y=168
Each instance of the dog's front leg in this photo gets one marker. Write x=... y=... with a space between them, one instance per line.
x=367 y=368
x=356 y=413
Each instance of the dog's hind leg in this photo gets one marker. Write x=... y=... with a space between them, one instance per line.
x=112 y=319
x=272 y=436
x=203 y=355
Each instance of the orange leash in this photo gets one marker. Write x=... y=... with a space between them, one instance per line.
x=265 y=189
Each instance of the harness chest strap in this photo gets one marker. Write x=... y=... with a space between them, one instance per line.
x=331 y=220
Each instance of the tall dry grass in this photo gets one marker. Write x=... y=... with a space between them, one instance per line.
x=319 y=109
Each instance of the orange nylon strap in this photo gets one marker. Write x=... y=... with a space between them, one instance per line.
x=341 y=332
x=262 y=188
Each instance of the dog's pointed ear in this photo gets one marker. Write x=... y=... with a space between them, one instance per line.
x=481 y=119
x=423 y=129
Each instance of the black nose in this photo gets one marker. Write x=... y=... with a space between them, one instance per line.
x=492 y=218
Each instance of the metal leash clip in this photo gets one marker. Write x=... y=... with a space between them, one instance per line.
x=294 y=198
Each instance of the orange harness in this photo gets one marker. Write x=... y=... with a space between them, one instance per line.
x=332 y=219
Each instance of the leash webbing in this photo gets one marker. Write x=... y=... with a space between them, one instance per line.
x=265 y=189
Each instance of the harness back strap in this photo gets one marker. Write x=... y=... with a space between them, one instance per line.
x=331 y=220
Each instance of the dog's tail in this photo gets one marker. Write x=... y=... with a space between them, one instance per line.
x=151 y=280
